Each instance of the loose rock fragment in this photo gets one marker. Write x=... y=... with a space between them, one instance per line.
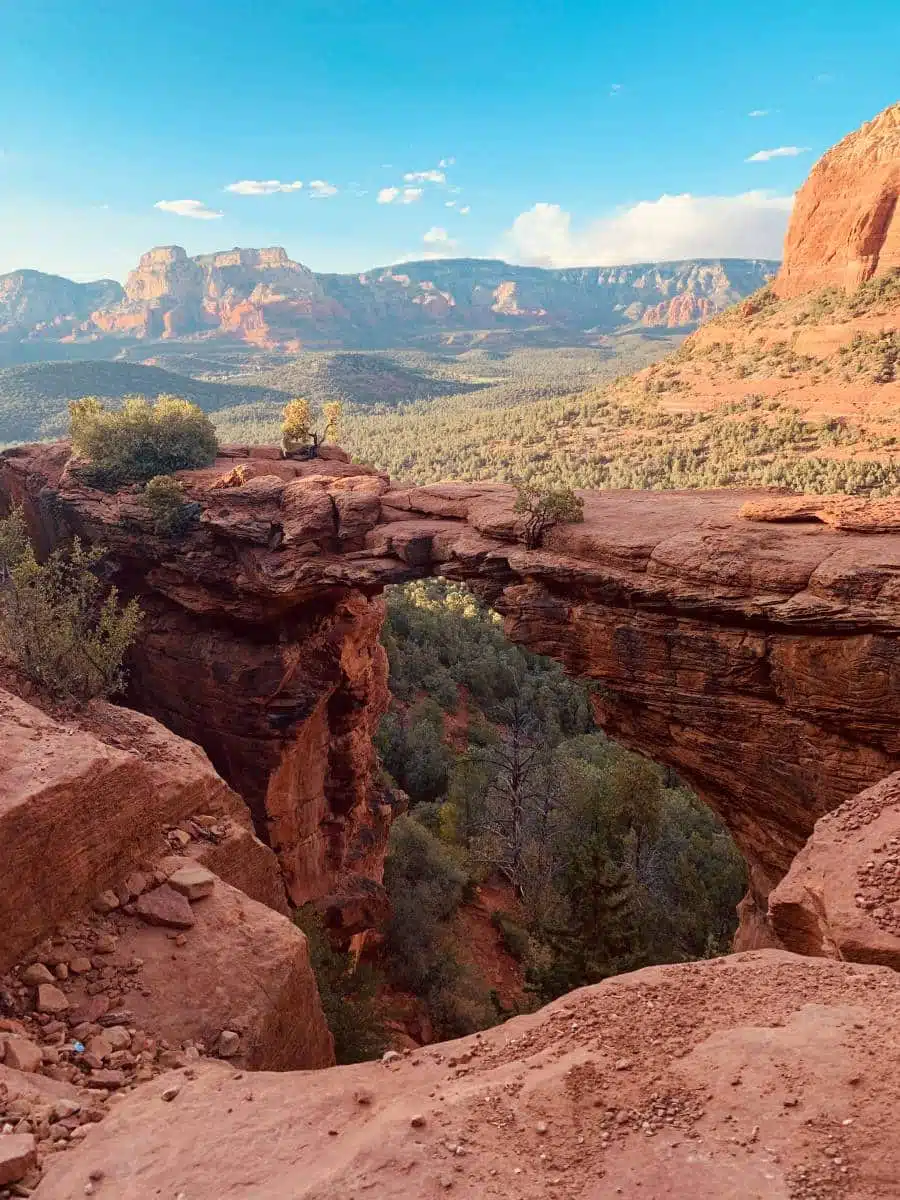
x=164 y=906
x=193 y=881
x=18 y=1154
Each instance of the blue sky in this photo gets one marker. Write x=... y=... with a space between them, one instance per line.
x=574 y=131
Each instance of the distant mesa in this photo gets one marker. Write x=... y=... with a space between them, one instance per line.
x=263 y=298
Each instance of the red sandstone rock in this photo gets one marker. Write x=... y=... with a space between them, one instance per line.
x=21 y=1054
x=729 y=649
x=845 y=227
x=854 y=513
x=193 y=882
x=91 y=796
x=757 y=1076
x=165 y=906
x=243 y=967
x=841 y=897
x=18 y=1154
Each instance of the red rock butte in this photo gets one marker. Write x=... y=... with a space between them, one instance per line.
x=845 y=228
x=758 y=657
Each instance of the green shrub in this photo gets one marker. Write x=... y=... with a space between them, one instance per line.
x=513 y=935
x=141 y=440
x=426 y=884
x=348 y=994
x=172 y=514
x=58 y=623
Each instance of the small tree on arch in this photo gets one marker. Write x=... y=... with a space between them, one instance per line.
x=544 y=507
x=299 y=437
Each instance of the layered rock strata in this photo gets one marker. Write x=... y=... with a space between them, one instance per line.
x=845 y=227
x=758 y=660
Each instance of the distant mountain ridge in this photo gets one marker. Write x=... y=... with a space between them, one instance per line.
x=264 y=298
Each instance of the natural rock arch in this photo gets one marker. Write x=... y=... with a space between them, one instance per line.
x=761 y=661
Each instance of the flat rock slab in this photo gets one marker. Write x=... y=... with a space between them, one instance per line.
x=165 y=906
x=22 y=1055
x=193 y=882
x=18 y=1154
x=50 y=999
x=746 y=1074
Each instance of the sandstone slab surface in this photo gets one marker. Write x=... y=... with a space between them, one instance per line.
x=758 y=1076
x=85 y=801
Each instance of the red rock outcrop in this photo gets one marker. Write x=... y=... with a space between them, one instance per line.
x=841 y=897
x=731 y=650
x=86 y=800
x=681 y=310
x=760 y=1075
x=845 y=227
x=282 y=681
x=259 y=296
x=241 y=968
x=109 y=824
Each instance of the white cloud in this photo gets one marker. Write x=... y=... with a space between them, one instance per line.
x=438 y=237
x=449 y=204
x=425 y=177
x=777 y=152
x=447 y=162
x=750 y=225
x=188 y=208
x=320 y=190
x=758 y=112
x=262 y=187
x=396 y=195
x=465 y=210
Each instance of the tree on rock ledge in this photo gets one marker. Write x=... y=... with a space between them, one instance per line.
x=545 y=507
x=299 y=437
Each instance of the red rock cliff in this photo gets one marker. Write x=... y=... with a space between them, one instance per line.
x=760 y=661
x=845 y=228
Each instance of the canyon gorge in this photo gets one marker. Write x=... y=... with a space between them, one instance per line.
x=749 y=639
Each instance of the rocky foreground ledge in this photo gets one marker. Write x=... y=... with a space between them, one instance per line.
x=758 y=1076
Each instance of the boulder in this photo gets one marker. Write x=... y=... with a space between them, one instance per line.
x=194 y=882
x=165 y=906
x=21 y=1055
x=841 y=896
x=242 y=968
x=75 y=814
x=18 y=1155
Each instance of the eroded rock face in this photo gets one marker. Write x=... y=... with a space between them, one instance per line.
x=245 y=968
x=109 y=825
x=752 y=1076
x=732 y=650
x=845 y=226
x=841 y=897
x=85 y=800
